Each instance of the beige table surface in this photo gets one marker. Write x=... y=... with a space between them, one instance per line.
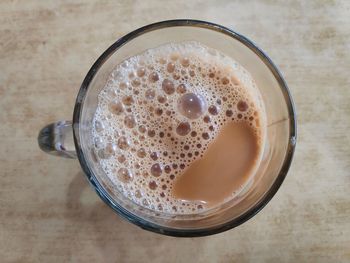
x=48 y=213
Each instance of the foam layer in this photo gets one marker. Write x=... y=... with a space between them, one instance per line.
x=159 y=111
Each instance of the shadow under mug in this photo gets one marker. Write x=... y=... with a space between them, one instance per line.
x=57 y=138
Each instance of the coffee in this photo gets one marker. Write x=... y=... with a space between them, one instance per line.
x=179 y=128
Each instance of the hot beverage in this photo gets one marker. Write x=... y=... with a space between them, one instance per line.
x=179 y=128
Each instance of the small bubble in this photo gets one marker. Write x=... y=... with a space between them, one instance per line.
x=206 y=119
x=172 y=177
x=196 y=153
x=145 y=202
x=129 y=121
x=183 y=128
x=116 y=107
x=158 y=111
x=199 y=145
x=225 y=80
x=153 y=77
x=213 y=110
x=185 y=62
x=141 y=72
x=111 y=148
x=164 y=187
x=98 y=142
x=174 y=166
x=151 y=133
x=192 y=74
x=142 y=128
x=125 y=175
x=150 y=94
x=161 y=134
x=124 y=85
x=121 y=158
x=242 y=105
x=239 y=116
x=160 y=207
x=154 y=156
x=152 y=185
x=211 y=75
x=167 y=169
x=211 y=128
x=176 y=76
x=135 y=82
x=145 y=174
x=186 y=147
x=99 y=126
x=168 y=86
x=123 y=143
x=161 y=99
x=138 y=194
x=229 y=113
x=182 y=166
x=127 y=100
x=156 y=169
x=170 y=67
x=141 y=153
x=112 y=92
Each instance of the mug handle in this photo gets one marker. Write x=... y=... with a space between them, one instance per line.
x=57 y=139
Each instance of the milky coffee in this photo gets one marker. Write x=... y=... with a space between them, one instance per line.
x=179 y=128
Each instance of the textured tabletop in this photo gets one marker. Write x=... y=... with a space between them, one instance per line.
x=48 y=213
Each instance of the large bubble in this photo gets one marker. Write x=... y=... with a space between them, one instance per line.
x=191 y=105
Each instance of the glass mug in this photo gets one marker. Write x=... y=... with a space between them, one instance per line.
x=57 y=138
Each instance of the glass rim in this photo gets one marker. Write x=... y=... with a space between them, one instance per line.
x=153 y=226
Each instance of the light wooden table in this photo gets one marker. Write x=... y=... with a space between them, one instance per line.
x=48 y=213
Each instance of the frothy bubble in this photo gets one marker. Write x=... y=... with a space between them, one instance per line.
x=128 y=100
x=168 y=86
x=130 y=121
x=183 y=128
x=116 y=107
x=123 y=143
x=156 y=169
x=125 y=175
x=181 y=88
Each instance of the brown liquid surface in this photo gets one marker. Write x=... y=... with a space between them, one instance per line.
x=225 y=167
